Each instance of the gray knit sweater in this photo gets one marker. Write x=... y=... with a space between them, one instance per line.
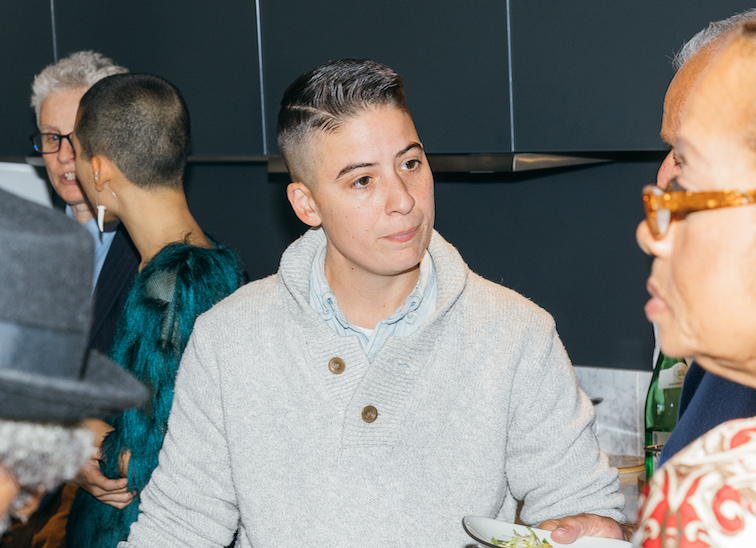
x=477 y=409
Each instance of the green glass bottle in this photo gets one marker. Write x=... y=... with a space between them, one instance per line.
x=662 y=403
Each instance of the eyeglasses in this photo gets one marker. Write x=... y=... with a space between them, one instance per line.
x=660 y=206
x=49 y=143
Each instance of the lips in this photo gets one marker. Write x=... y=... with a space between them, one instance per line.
x=403 y=236
x=655 y=305
x=68 y=178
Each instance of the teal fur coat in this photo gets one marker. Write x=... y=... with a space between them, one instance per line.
x=177 y=285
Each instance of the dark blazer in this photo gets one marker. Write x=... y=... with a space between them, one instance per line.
x=707 y=401
x=112 y=290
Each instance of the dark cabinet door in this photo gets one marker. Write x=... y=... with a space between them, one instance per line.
x=207 y=49
x=451 y=55
x=591 y=75
x=27 y=47
x=588 y=75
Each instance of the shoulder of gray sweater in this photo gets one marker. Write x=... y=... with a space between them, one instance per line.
x=252 y=297
x=496 y=302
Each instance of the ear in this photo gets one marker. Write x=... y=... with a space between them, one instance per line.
x=97 y=175
x=106 y=170
x=302 y=202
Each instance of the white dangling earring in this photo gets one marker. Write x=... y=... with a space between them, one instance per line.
x=101 y=217
x=100 y=208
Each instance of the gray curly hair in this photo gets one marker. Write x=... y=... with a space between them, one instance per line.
x=715 y=30
x=41 y=456
x=79 y=70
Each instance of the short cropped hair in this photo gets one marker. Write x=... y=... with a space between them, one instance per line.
x=79 y=70
x=715 y=31
x=139 y=122
x=327 y=96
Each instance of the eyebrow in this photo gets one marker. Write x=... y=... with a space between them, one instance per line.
x=353 y=167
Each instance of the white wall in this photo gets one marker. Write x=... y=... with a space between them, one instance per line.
x=23 y=180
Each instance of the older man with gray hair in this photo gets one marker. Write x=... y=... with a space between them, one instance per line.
x=49 y=380
x=707 y=399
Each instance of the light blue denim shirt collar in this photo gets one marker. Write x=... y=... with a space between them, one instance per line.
x=418 y=307
x=102 y=241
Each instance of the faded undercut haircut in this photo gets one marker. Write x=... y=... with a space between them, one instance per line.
x=139 y=122
x=77 y=71
x=326 y=97
x=714 y=31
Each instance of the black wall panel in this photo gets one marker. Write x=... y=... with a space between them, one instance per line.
x=207 y=49
x=451 y=55
x=590 y=75
x=27 y=47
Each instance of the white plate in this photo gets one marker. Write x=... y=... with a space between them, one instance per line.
x=483 y=529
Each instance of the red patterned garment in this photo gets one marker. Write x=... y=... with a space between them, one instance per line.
x=705 y=496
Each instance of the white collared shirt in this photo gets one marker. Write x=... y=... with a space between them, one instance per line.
x=103 y=241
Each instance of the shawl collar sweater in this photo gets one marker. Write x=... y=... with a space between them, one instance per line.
x=477 y=409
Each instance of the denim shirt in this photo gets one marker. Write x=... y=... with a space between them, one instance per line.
x=419 y=306
x=103 y=241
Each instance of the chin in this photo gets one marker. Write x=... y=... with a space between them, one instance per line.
x=395 y=267
x=73 y=203
x=405 y=266
x=72 y=197
x=673 y=344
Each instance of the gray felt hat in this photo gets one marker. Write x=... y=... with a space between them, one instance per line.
x=47 y=373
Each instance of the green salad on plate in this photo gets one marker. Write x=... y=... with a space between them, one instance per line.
x=522 y=541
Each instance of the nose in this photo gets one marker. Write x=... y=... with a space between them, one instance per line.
x=667 y=171
x=656 y=247
x=399 y=199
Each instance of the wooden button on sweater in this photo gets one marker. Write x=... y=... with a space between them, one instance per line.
x=369 y=414
x=336 y=366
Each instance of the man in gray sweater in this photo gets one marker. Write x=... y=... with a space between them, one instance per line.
x=374 y=390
